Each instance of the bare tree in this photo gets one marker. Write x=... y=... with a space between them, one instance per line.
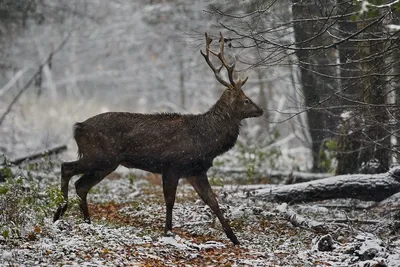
x=345 y=57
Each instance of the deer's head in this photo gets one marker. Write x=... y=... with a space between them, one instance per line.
x=241 y=106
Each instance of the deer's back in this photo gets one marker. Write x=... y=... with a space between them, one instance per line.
x=150 y=142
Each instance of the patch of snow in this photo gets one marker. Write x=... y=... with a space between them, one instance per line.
x=7 y=255
x=393 y=27
x=313 y=209
x=175 y=241
x=184 y=244
x=243 y=211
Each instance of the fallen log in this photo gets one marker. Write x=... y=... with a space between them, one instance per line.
x=287 y=177
x=48 y=151
x=372 y=187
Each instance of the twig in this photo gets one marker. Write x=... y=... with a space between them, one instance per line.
x=11 y=82
x=33 y=78
x=346 y=207
x=348 y=220
x=298 y=220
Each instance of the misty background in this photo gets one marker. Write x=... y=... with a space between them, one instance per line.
x=136 y=56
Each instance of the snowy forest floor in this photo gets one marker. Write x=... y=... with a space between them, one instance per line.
x=128 y=220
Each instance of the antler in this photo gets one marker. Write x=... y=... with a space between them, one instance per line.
x=221 y=57
x=207 y=58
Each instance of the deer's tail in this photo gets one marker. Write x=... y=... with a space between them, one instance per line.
x=78 y=134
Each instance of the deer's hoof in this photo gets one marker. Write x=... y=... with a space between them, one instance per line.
x=235 y=242
x=56 y=216
x=60 y=212
x=234 y=239
x=87 y=220
x=169 y=233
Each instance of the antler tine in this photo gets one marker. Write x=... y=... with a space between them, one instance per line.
x=207 y=58
x=244 y=81
x=221 y=57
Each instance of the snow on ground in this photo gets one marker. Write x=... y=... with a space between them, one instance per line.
x=127 y=230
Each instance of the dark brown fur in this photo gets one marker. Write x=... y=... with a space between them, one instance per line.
x=173 y=145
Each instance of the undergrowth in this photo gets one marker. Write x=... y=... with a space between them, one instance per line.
x=24 y=204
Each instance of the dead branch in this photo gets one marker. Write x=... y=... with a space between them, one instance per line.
x=33 y=78
x=48 y=151
x=347 y=221
x=298 y=220
x=289 y=177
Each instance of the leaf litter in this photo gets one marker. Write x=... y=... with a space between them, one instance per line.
x=127 y=230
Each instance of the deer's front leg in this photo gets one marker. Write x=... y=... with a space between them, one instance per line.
x=203 y=188
x=170 y=183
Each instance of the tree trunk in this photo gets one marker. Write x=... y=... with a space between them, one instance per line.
x=373 y=187
x=349 y=139
x=395 y=62
x=316 y=75
x=364 y=145
x=375 y=157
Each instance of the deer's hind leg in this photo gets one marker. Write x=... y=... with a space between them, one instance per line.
x=68 y=169
x=93 y=169
x=83 y=186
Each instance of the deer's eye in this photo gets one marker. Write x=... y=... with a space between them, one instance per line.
x=246 y=101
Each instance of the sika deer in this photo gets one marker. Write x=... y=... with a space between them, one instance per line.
x=173 y=145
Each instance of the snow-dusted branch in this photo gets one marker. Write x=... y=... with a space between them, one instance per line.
x=365 y=4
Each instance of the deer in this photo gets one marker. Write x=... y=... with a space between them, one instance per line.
x=171 y=144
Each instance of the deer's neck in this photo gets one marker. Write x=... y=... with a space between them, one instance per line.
x=222 y=112
x=224 y=127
